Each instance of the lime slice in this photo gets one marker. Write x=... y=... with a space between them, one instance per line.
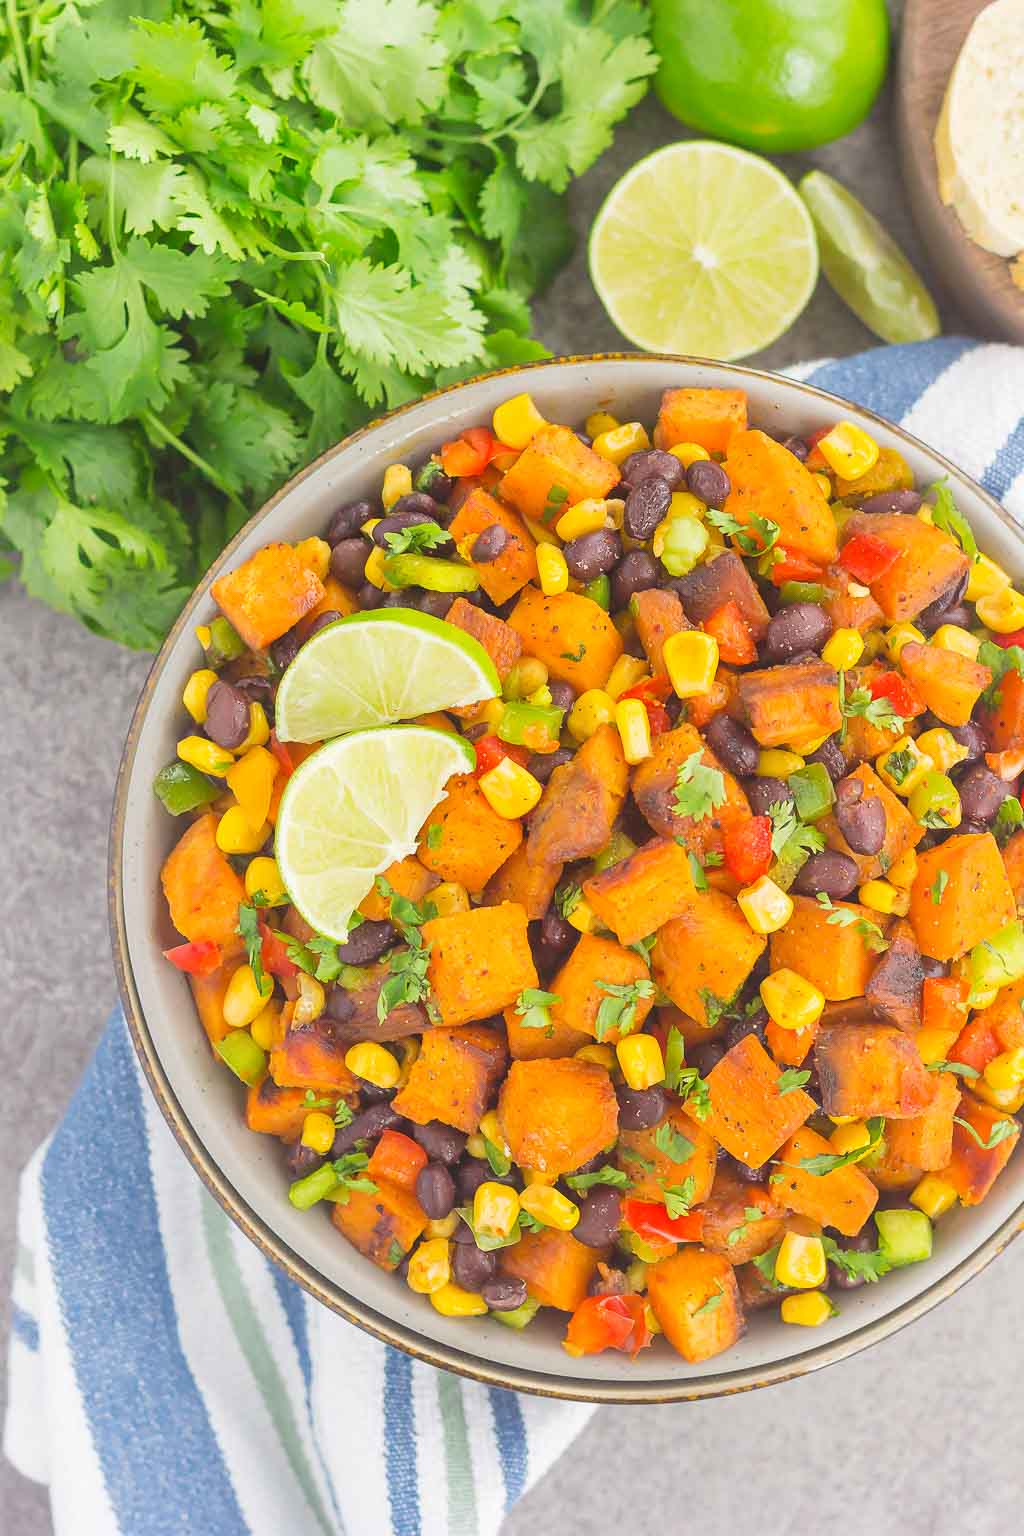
x=375 y=668
x=865 y=265
x=353 y=808
x=705 y=249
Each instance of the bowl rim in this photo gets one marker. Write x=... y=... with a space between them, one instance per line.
x=279 y=1252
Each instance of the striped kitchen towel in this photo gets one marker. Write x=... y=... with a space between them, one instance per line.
x=164 y=1378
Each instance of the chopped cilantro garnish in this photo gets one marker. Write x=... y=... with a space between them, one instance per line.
x=603 y=1175
x=699 y=790
x=845 y=917
x=672 y=1143
x=533 y=1009
x=678 y=1197
x=618 y=1010
x=946 y=516
x=1001 y=1131
x=937 y=889
x=790 y=1079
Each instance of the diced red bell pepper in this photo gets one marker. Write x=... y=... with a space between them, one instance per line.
x=748 y=848
x=900 y=692
x=650 y=1220
x=470 y=452
x=976 y=1045
x=607 y=1322
x=284 y=758
x=944 y=1002
x=650 y=692
x=657 y=718
x=1006 y=765
x=1015 y=637
x=274 y=955
x=200 y=958
x=812 y=439
x=794 y=567
x=491 y=749
x=735 y=642
x=867 y=557
x=397 y=1159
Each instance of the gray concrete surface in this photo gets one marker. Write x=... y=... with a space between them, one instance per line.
x=921 y=1434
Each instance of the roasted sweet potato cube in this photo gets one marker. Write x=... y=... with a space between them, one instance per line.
x=516 y=565
x=729 y=1230
x=847 y=610
x=528 y=1044
x=679 y=1290
x=658 y=615
x=208 y=995
x=749 y=1116
x=202 y=890
x=693 y=1031
x=454 y=1078
x=870 y=1069
x=581 y=802
x=927 y=1140
x=577 y=984
x=709 y=417
x=950 y=684
x=556 y=1267
x=556 y=461
x=725 y=579
x=408 y=877
x=791 y=704
x=834 y=957
x=275 y=1111
x=1005 y=1016
x=976 y=902
x=337 y=599
x=843 y=1199
x=641 y=892
x=525 y=881
x=480 y=961
x=654 y=790
x=902 y=832
x=571 y=634
x=930 y=562
x=356 y=1018
x=267 y=594
x=974 y=1165
x=768 y=481
x=888 y=1169
x=557 y=1114
x=498 y=639
x=894 y=987
x=705 y=954
x=640 y=1155
x=1013 y=860
x=790 y=1047
x=463 y=839
x=1004 y=722
x=313 y=1056
x=383 y=1226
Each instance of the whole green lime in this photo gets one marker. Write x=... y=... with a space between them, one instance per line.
x=774 y=75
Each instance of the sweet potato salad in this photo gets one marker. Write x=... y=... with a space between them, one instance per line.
x=698 y=988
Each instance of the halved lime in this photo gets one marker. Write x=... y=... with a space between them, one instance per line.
x=376 y=668
x=356 y=806
x=703 y=248
x=865 y=265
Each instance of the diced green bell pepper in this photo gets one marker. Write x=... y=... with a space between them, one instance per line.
x=600 y=592
x=935 y=802
x=246 y=1059
x=179 y=787
x=904 y=1237
x=803 y=592
x=433 y=574
x=618 y=847
x=812 y=791
x=686 y=543
x=521 y=1316
x=523 y=724
x=785 y=870
x=315 y=1186
x=998 y=961
x=225 y=643
x=354 y=977
x=428 y=476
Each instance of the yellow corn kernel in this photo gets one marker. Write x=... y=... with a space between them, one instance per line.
x=634 y=726
x=843 y=1119
x=509 y=789
x=823 y=483
x=691 y=660
x=409 y=1051
x=476 y=1146
x=517 y=421
x=552 y=571
x=1006 y=1070
x=251 y=781
x=880 y=896
x=370 y=524
x=943 y=749
x=583 y=517
x=430 y=1266
x=318 y=1132
x=899 y=635
x=583 y=918
x=616 y=513
x=495 y=1209
x=906 y=780
x=204 y=635
x=235 y=833
x=626 y=673
x=598 y=422
x=243 y=999
x=311 y=1001
x=263 y=874
x=689 y=453
x=848 y=450
x=444 y=1226
x=774 y=763
x=1011 y=1100
x=985 y=578
x=903 y=871
x=315 y=555
x=259 y=729
x=792 y=1001
x=766 y=907
x=550 y=1207
x=641 y=1061
x=373 y=1064
x=850 y=1137
x=452 y=1301
x=374 y=572
x=617 y=443
x=980 y=997
x=487 y=713
x=1001 y=611
x=844 y=650
x=490 y=1128
x=808 y=1311
x=600 y=1055
x=524 y=677
x=686 y=504
x=205 y=755
x=449 y=897
x=266 y=1028
x=933 y=1195
x=540 y=696
x=950 y=637
x=397 y=483
x=800 y=1262
x=934 y=1044
x=592 y=709
x=196 y=689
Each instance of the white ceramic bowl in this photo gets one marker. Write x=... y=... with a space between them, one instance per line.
x=202 y=1102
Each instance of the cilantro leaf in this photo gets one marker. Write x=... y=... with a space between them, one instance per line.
x=757 y=538
x=700 y=879
x=791 y=838
x=699 y=790
x=751 y=1214
x=678 y=1197
x=618 y=1009
x=533 y=1007
x=675 y=1053
x=869 y=1266
x=790 y=1079
x=606 y=1174
x=946 y=516
x=958 y=1068
x=714 y=1006
x=937 y=889
x=568 y=898
x=350 y=1173
x=827 y=1162
x=1001 y=1131
x=417 y=539
x=845 y=917
x=249 y=928
x=1009 y=818
x=1000 y=660
x=713 y=1302
x=877 y=712
x=764 y=1263
x=672 y=1143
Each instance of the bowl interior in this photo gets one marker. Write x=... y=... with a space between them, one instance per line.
x=204 y=1100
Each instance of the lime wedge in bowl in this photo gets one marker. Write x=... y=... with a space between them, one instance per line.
x=705 y=249
x=865 y=265
x=356 y=806
x=379 y=667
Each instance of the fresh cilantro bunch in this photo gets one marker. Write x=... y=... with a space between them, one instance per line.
x=231 y=230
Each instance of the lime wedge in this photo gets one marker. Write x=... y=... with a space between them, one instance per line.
x=353 y=808
x=376 y=668
x=703 y=248
x=865 y=265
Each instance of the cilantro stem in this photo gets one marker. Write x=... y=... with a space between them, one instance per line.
x=156 y=426
x=19 y=46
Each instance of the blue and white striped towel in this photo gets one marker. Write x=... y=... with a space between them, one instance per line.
x=165 y=1378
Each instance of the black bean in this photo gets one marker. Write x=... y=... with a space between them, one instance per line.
x=556 y=933
x=748 y=1175
x=472 y=1172
x=796 y=627
x=637 y=571
x=339 y=1005
x=647 y=462
x=937 y=612
x=435 y=1191
x=593 y=554
x=907 y=502
x=834 y=873
x=285 y=649
x=395 y=521
x=442 y=1143
x=765 y=792
x=504 y=1294
x=471 y=1267
x=543 y=764
x=489 y=544
x=302 y=1160
x=367 y=942
x=227 y=714
x=372 y=1093
x=982 y=792
x=750 y=1024
x=321 y=622
x=369 y=596
x=348 y=562
x=348 y=520
x=368 y=1124
x=860 y=818
x=258 y=690
x=562 y=695
x=708 y=481
x=430 y=477
x=640 y=1108
x=970 y=736
x=600 y=1213
x=732 y=744
x=830 y=755
x=797 y=447
x=419 y=502
x=960 y=615
x=705 y=1056
x=646 y=506
x=435 y=603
